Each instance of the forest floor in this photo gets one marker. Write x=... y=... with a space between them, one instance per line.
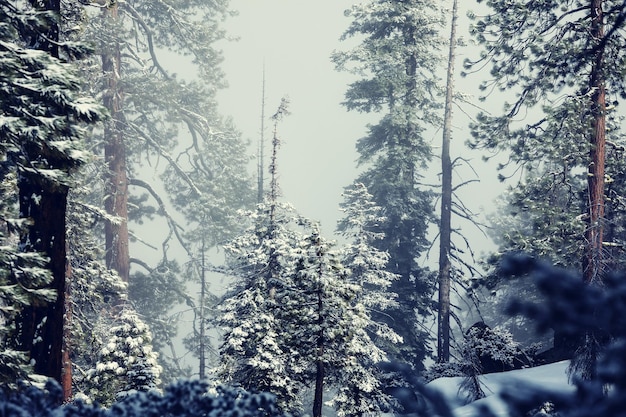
x=552 y=377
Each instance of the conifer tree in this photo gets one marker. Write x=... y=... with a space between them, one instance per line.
x=166 y=123
x=559 y=57
x=126 y=362
x=365 y=263
x=564 y=60
x=296 y=318
x=398 y=59
x=42 y=128
x=262 y=258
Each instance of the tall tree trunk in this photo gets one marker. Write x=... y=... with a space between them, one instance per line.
x=44 y=201
x=261 y=150
x=116 y=186
x=41 y=325
x=585 y=345
x=445 y=245
x=593 y=263
x=202 y=344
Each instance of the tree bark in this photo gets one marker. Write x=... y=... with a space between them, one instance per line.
x=202 y=344
x=44 y=202
x=445 y=231
x=593 y=262
x=41 y=325
x=116 y=181
x=66 y=373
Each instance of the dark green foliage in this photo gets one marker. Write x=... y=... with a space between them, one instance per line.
x=185 y=398
x=43 y=119
x=575 y=308
x=398 y=59
x=545 y=54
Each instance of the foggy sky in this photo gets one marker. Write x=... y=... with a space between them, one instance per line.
x=293 y=40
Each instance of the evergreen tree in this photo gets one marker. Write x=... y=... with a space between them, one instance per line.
x=398 y=58
x=126 y=362
x=565 y=60
x=296 y=317
x=365 y=263
x=217 y=167
x=151 y=108
x=331 y=331
x=43 y=119
x=169 y=124
x=253 y=352
x=93 y=288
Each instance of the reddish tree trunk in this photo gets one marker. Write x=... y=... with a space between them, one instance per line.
x=593 y=262
x=116 y=186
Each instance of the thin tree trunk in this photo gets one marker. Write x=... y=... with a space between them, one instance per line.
x=318 y=398
x=261 y=150
x=202 y=347
x=593 y=265
x=116 y=187
x=66 y=373
x=443 y=330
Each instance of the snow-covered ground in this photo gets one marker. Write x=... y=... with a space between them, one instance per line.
x=552 y=377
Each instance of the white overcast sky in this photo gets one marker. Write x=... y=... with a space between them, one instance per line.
x=293 y=39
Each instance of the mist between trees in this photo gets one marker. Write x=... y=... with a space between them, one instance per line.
x=145 y=242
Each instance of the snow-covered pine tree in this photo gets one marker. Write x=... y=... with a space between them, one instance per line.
x=43 y=119
x=254 y=353
x=328 y=321
x=366 y=263
x=93 y=287
x=398 y=59
x=126 y=362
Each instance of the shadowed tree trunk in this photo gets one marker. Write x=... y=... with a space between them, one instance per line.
x=41 y=325
x=443 y=318
x=66 y=373
x=318 y=398
x=44 y=202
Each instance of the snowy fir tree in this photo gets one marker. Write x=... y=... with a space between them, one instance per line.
x=398 y=58
x=366 y=264
x=335 y=337
x=253 y=353
x=126 y=362
x=42 y=127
